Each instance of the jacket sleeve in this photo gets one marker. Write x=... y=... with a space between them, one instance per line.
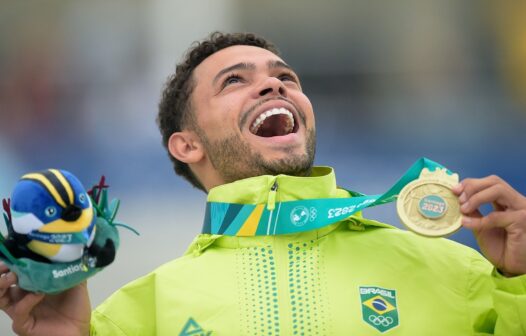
x=509 y=300
x=496 y=304
x=130 y=311
x=102 y=325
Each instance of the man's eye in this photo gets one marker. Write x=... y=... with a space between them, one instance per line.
x=232 y=79
x=287 y=77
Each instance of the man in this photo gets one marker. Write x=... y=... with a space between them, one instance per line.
x=238 y=126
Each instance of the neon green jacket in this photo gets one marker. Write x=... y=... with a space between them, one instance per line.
x=355 y=277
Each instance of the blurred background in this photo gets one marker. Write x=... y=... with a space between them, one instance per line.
x=390 y=82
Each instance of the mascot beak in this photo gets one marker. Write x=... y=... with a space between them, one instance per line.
x=71 y=213
x=73 y=220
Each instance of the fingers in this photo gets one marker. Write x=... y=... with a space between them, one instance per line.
x=496 y=219
x=492 y=189
x=7 y=280
x=21 y=312
x=25 y=306
x=474 y=184
x=492 y=194
x=17 y=303
x=9 y=293
x=3 y=268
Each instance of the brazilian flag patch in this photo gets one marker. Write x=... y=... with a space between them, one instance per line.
x=379 y=308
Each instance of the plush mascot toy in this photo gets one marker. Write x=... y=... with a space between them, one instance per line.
x=58 y=234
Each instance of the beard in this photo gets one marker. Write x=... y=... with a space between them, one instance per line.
x=234 y=159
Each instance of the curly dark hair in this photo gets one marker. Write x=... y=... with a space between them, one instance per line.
x=175 y=111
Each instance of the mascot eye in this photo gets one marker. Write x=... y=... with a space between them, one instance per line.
x=82 y=198
x=50 y=211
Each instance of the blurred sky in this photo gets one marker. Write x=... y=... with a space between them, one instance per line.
x=390 y=82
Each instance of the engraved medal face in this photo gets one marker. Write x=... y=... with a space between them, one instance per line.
x=427 y=205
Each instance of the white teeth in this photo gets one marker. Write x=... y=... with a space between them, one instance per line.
x=259 y=120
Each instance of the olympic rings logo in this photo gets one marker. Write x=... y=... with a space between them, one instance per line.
x=313 y=213
x=381 y=320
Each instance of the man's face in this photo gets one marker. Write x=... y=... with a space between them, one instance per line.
x=252 y=115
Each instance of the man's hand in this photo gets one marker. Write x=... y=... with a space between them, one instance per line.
x=501 y=234
x=67 y=313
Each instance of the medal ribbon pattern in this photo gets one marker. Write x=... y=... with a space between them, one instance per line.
x=234 y=219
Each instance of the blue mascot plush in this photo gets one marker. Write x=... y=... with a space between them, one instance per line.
x=57 y=233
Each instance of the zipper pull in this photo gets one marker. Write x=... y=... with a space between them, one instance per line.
x=271 y=204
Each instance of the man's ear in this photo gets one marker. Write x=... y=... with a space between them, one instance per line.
x=186 y=147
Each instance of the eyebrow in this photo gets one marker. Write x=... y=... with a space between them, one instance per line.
x=278 y=64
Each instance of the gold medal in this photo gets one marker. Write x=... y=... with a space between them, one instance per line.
x=427 y=205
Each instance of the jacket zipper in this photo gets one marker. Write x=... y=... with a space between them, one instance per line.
x=271 y=203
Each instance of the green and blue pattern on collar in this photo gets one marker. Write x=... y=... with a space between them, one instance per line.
x=275 y=218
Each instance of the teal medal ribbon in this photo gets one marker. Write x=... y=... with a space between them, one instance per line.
x=234 y=219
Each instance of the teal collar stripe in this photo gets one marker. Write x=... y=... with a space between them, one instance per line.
x=234 y=219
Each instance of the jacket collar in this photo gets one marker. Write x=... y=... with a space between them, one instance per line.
x=256 y=190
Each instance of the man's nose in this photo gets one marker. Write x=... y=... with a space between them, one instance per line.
x=272 y=85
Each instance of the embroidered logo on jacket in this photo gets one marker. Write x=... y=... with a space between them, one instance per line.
x=191 y=328
x=379 y=308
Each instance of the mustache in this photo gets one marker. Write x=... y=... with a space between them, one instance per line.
x=248 y=113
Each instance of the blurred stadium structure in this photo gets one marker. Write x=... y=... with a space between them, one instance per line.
x=390 y=82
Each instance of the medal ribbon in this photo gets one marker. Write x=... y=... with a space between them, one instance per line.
x=234 y=219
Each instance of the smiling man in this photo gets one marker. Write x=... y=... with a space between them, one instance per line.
x=237 y=125
x=247 y=116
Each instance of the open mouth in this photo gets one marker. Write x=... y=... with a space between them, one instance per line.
x=274 y=122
